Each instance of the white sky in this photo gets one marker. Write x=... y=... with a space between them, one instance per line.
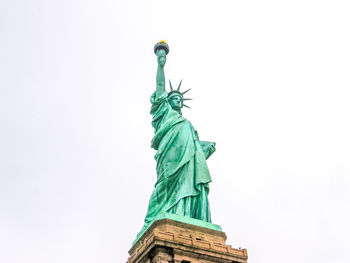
x=270 y=81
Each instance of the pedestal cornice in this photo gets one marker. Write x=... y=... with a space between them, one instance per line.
x=183 y=242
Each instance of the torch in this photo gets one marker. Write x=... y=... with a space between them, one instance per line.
x=161 y=45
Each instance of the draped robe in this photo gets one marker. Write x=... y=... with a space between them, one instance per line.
x=182 y=173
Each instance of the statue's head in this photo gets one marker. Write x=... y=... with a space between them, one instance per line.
x=161 y=56
x=176 y=101
x=176 y=98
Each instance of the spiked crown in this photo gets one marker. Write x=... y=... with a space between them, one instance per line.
x=177 y=91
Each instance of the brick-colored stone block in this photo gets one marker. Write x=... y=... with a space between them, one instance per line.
x=170 y=241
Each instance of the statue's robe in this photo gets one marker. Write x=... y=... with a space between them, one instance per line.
x=182 y=173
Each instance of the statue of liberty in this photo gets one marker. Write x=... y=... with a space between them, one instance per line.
x=183 y=178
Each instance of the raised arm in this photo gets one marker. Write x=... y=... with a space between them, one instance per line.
x=161 y=58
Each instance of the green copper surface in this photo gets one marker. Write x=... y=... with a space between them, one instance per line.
x=183 y=177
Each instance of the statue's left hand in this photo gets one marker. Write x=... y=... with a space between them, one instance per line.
x=212 y=147
x=208 y=148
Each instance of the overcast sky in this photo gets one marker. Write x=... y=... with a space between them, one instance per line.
x=270 y=82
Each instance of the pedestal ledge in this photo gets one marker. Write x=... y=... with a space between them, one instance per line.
x=182 y=219
x=168 y=240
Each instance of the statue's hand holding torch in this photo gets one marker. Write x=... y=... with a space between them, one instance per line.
x=161 y=49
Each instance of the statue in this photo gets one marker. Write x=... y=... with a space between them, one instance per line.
x=183 y=178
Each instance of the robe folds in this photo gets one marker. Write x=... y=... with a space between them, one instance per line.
x=182 y=173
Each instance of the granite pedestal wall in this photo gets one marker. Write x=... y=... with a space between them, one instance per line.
x=171 y=241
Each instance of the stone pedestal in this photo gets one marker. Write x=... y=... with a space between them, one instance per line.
x=171 y=241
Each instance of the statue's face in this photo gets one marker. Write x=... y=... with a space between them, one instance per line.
x=176 y=102
x=161 y=56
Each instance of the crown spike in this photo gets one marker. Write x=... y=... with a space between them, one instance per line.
x=185 y=91
x=187 y=99
x=186 y=106
x=178 y=88
x=171 y=87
